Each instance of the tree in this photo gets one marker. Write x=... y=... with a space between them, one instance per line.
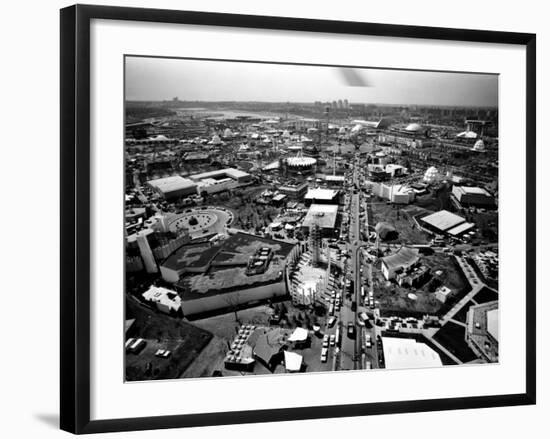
x=233 y=301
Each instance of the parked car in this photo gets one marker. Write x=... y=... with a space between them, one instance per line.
x=324 y=355
x=163 y=353
x=351 y=330
x=325 y=341
x=136 y=346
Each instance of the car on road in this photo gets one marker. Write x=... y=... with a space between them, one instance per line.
x=331 y=321
x=324 y=355
x=351 y=330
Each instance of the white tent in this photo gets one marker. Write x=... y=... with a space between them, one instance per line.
x=479 y=146
x=299 y=334
x=467 y=135
x=293 y=361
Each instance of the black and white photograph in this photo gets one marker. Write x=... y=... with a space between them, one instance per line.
x=288 y=218
x=275 y=220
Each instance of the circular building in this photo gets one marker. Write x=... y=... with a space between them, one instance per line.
x=301 y=164
x=414 y=128
x=386 y=231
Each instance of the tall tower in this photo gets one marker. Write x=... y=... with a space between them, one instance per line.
x=315 y=244
x=146 y=253
x=327 y=113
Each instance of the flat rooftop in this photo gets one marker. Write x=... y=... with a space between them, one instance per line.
x=228 y=172
x=492 y=323
x=171 y=184
x=407 y=353
x=461 y=228
x=324 y=215
x=443 y=220
x=336 y=178
x=321 y=194
x=221 y=268
x=473 y=190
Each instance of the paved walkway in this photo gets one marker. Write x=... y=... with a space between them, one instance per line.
x=457 y=322
x=475 y=283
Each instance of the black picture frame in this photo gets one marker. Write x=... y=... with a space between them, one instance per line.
x=75 y=217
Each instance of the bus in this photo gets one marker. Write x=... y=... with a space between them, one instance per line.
x=136 y=346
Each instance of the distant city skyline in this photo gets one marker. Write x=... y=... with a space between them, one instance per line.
x=161 y=79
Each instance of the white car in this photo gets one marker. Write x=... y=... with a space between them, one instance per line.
x=163 y=353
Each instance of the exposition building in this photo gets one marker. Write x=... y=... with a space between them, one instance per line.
x=233 y=272
x=173 y=187
x=324 y=216
x=472 y=196
x=446 y=223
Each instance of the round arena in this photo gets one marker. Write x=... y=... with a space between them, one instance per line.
x=202 y=221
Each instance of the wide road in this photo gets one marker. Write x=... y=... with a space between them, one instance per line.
x=351 y=347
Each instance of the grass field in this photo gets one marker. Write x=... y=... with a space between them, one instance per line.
x=394 y=300
x=401 y=220
x=247 y=214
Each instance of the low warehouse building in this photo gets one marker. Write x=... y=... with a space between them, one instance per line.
x=473 y=196
x=445 y=222
x=407 y=353
x=321 y=196
x=482 y=330
x=173 y=187
x=324 y=215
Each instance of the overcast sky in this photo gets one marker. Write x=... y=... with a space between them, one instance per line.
x=163 y=79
